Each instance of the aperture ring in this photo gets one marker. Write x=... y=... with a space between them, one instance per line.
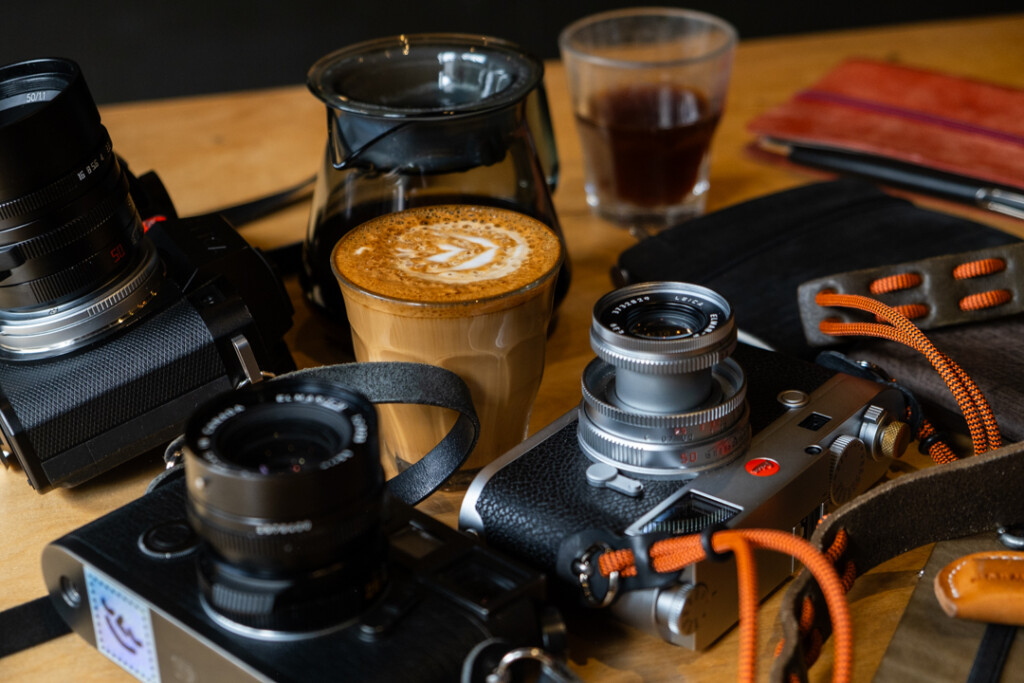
x=70 y=184
x=34 y=333
x=65 y=283
x=652 y=364
x=598 y=378
x=661 y=461
x=79 y=227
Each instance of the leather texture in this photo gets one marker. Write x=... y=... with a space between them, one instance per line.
x=938 y=503
x=984 y=586
x=953 y=648
x=940 y=121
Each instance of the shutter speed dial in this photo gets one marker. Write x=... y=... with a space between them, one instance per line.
x=848 y=456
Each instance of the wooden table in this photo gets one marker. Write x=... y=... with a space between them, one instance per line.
x=218 y=150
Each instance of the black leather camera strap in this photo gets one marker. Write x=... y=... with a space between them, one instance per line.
x=30 y=624
x=421 y=384
x=963 y=498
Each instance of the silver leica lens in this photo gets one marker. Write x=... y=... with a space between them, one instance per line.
x=663 y=398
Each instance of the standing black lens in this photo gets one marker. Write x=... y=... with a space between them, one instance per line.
x=72 y=257
x=286 y=490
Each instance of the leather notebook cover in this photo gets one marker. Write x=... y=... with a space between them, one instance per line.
x=935 y=120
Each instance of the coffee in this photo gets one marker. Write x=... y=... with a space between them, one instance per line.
x=465 y=287
x=318 y=278
x=645 y=144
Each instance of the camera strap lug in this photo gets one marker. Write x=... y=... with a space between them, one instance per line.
x=840 y=362
x=492 y=660
x=579 y=555
x=247 y=360
x=585 y=572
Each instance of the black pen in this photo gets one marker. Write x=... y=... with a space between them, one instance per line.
x=949 y=185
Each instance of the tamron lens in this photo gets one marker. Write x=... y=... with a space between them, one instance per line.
x=286 y=490
x=73 y=265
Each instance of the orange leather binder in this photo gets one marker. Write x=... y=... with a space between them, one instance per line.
x=936 y=121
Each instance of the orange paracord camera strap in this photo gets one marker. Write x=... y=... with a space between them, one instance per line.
x=673 y=554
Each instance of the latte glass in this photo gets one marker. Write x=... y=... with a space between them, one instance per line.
x=468 y=288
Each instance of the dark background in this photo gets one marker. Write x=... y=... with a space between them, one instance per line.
x=144 y=49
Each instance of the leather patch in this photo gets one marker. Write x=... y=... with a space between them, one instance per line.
x=986 y=586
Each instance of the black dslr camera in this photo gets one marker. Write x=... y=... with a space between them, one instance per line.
x=664 y=444
x=110 y=334
x=283 y=557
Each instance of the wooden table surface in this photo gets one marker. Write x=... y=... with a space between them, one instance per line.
x=217 y=150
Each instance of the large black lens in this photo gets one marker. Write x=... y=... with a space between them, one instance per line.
x=286 y=490
x=71 y=263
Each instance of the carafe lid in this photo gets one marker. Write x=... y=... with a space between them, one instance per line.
x=425 y=95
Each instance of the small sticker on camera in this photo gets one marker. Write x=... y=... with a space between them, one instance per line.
x=124 y=632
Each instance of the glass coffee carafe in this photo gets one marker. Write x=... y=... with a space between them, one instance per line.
x=424 y=120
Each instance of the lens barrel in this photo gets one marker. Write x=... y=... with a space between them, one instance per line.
x=663 y=399
x=286 y=490
x=69 y=231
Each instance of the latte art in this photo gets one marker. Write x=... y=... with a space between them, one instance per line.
x=447 y=254
x=460 y=253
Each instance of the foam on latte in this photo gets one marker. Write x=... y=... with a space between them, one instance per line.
x=449 y=253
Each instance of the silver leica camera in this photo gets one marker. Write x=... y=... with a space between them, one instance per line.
x=681 y=428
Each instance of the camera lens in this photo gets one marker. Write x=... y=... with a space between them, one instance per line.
x=293 y=446
x=663 y=398
x=286 y=490
x=665 y=320
x=73 y=262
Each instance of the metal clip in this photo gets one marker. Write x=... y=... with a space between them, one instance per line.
x=584 y=569
x=553 y=669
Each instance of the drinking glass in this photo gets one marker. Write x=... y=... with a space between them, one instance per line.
x=648 y=87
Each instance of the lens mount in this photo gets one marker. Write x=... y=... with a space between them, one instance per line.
x=44 y=333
